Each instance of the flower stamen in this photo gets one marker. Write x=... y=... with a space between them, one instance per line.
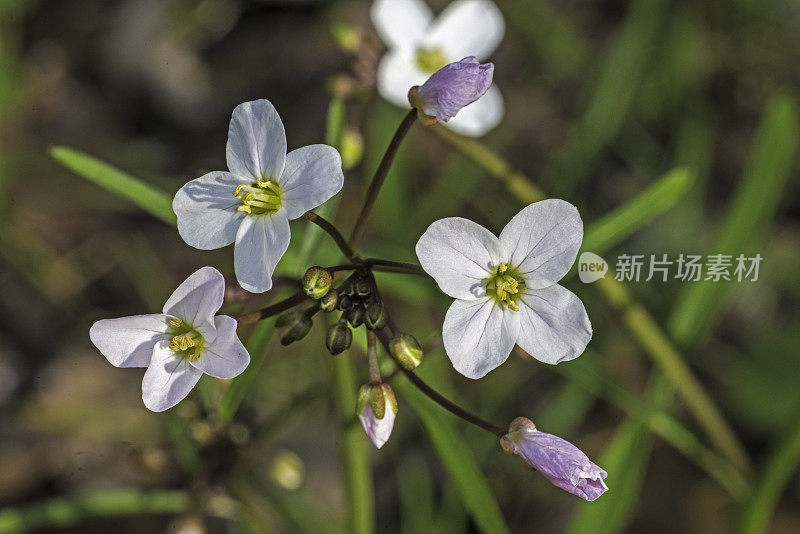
x=261 y=198
x=185 y=340
x=430 y=59
x=505 y=284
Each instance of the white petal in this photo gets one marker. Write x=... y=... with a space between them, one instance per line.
x=197 y=299
x=401 y=23
x=554 y=327
x=459 y=254
x=206 y=210
x=312 y=175
x=256 y=141
x=467 y=28
x=397 y=73
x=480 y=117
x=542 y=241
x=129 y=341
x=478 y=335
x=168 y=379
x=260 y=243
x=226 y=356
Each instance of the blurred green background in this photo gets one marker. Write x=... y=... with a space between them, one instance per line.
x=673 y=126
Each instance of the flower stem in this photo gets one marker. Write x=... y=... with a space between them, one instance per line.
x=394 y=266
x=372 y=358
x=271 y=310
x=341 y=242
x=438 y=398
x=379 y=177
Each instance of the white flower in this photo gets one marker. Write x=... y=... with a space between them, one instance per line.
x=505 y=289
x=254 y=202
x=178 y=345
x=419 y=46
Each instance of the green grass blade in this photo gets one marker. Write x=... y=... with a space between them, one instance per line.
x=151 y=199
x=459 y=462
x=258 y=347
x=615 y=93
x=63 y=512
x=623 y=221
x=355 y=454
x=781 y=466
x=625 y=460
x=753 y=206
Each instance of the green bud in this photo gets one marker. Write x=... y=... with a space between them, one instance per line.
x=316 y=282
x=376 y=316
x=345 y=302
x=406 y=351
x=296 y=330
x=379 y=397
x=339 y=338
x=391 y=400
x=363 y=287
x=351 y=148
x=330 y=301
x=356 y=316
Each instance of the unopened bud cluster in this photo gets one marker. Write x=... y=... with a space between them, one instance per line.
x=359 y=304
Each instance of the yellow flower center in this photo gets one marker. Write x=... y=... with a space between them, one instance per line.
x=504 y=284
x=429 y=60
x=186 y=340
x=260 y=198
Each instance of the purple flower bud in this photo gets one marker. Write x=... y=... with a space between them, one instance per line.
x=451 y=88
x=557 y=459
x=376 y=409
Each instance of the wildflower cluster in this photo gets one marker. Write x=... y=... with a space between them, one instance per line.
x=505 y=287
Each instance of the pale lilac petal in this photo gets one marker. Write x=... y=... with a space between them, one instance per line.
x=542 y=241
x=129 y=341
x=312 y=175
x=377 y=430
x=480 y=117
x=478 y=335
x=401 y=23
x=397 y=73
x=460 y=255
x=226 y=356
x=560 y=461
x=260 y=244
x=197 y=299
x=169 y=378
x=467 y=28
x=554 y=326
x=207 y=210
x=453 y=87
x=256 y=141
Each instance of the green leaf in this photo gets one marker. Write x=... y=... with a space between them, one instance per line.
x=754 y=204
x=780 y=467
x=625 y=460
x=620 y=223
x=153 y=200
x=257 y=346
x=63 y=512
x=355 y=455
x=458 y=460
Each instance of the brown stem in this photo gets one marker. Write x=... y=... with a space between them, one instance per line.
x=331 y=230
x=436 y=397
x=379 y=177
x=271 y=310
x=394 y=266
x=372 y=358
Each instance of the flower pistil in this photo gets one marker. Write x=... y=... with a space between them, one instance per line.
x=186 y=340
x=504 y=283
x=430 y=59
x=261 y=198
